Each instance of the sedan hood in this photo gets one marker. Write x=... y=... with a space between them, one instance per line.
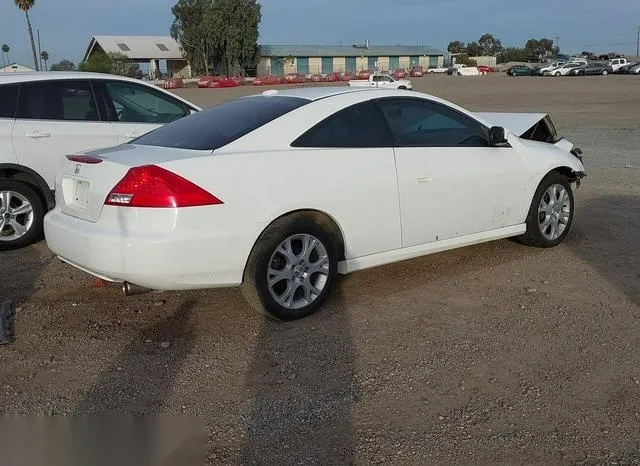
x=516 y=123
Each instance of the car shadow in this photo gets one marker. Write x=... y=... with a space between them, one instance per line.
x=606 y=235
x=302 y=385
x=125 y=404
x=139 y=380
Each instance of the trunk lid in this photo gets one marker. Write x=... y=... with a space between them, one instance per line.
x=81 y=187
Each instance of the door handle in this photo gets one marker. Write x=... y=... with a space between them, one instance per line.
x=424 y=179
x=37 y=134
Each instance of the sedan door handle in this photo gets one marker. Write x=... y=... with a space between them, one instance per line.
x=37 y=134
x=424 y=179
x=132 y=134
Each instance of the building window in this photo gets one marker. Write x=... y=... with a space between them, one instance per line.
x=124 y=47
x=162 y=47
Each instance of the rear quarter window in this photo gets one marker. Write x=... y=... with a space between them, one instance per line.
x=217 y=126
x=8 y=99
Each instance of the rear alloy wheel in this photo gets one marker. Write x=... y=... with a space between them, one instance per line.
x=21 y=215
x=558 y=74
x=290 y=272
x=605 y=72
x=551 y=213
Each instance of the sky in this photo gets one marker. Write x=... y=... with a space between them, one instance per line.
x=66 y=26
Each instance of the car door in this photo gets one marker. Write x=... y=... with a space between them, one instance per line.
x=355 y=149
x=55 y=118
x=8 y=99
x=451 y=182
x=135 y=109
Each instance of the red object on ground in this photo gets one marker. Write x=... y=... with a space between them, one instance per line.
x=417 y=71
x=174 y=83
x=399 y=73
x=98 y=283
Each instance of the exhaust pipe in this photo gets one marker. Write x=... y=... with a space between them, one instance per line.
x=129 y=289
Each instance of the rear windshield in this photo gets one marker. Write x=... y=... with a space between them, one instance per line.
x=219 y=125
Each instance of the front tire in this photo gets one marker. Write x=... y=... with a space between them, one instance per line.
x=291 y=269
x=21 y=215
x=551 y=212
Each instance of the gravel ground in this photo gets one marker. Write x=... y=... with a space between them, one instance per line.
x=496 y=353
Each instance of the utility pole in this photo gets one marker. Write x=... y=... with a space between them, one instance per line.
x=558 y=42
x=638 y=44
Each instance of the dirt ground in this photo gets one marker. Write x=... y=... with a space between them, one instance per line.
x=496 y=353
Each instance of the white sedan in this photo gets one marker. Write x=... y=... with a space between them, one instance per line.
x=279 y=192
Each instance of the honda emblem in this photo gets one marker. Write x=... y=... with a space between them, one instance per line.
x=77 y=170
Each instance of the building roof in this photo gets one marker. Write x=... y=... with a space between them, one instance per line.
x=138 y=47
x=14 y=66
x=347 y=50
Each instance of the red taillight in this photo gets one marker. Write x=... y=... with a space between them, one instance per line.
x=152 y=186
x=84 y=159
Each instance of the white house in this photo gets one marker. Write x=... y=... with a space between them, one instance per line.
x=14 y=67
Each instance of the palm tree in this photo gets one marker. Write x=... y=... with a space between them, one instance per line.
x=5 y=51
x=45 y=56
x=26 y=5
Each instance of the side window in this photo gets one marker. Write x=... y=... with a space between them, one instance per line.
x=133 y=103
x=67 y=100
x=420 y=123
x=357 y=126
x=8 y=98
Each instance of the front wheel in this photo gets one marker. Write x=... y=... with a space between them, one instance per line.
x=550 y=214
x=291 y=269
x=403 y=88
x=605 y=72
x=21 y=215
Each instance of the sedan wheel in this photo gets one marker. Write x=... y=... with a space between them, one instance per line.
x=605 y=72
x=551 y=212
x=21 y=215
x=290 y=271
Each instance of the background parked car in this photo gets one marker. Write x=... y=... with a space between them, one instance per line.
x=564 y=69
x=626 y=68
x=593 y=68
x=45 y=116
x=548 y=67
x=519 y=70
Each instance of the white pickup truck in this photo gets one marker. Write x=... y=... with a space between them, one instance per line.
x=382 y=80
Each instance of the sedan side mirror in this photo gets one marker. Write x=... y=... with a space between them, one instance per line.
x=498 y=136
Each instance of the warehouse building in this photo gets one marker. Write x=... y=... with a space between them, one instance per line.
x=321 y=59
x=156 y=55
x=162 y=55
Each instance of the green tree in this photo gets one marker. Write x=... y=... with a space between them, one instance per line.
x=64 y=65
x=489 y=45
x=26 y=5
x=45 y=57
x=456 y=47
x=113 y=63
x=5 y=51
x=235 y=26
x=474 y=49
x=218 y=32
x=192 y=29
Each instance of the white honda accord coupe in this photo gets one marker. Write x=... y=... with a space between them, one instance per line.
x=279 y=192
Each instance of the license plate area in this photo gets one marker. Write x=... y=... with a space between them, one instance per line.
x=76 y=192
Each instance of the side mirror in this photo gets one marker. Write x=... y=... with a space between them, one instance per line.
x=498 y=136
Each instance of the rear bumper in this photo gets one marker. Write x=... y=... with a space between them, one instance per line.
x=155 y=248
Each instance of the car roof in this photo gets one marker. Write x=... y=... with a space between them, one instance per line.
x=24 y=76
x=313 y=92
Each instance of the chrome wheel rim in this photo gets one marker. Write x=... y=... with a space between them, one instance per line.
x=554 y=212
x=298 y=271
x=16 y=215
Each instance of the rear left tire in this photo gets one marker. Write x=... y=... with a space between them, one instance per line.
x=21 y=215
x=291 y=269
